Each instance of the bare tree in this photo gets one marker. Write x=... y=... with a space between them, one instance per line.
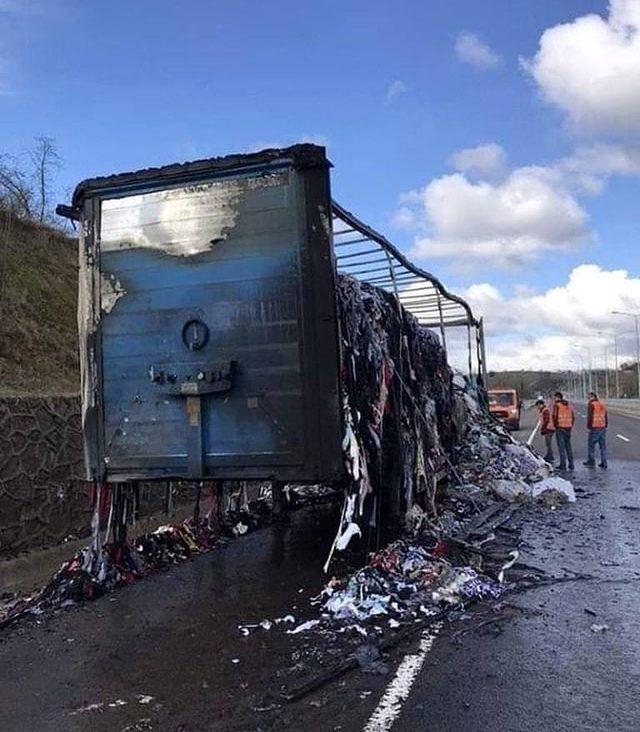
x=16 y=193
x=45 y=163
x=26 y=182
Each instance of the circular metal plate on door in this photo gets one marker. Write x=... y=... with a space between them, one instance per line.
x=195 y=334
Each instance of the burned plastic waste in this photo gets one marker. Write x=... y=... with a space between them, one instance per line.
x=406 y=579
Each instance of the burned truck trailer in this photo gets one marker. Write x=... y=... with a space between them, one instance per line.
x=209 y=328
x=208 y=321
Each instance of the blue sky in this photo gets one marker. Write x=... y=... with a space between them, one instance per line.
x=123 y=85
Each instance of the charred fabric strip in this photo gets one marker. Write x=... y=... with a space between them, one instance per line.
x=114 y=560
x=106 y=564
x=398 y=410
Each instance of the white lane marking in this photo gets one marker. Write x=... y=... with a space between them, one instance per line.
x=390 y=706
x=622 y=437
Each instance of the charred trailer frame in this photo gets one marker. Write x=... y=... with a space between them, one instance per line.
x=208 y=320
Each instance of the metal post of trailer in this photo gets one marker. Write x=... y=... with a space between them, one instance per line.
x=478 y=354
x=483 y=353
x=469 y=349
x=442 y=330
x=397 y=483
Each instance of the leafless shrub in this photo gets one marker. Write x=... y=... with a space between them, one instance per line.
x=26 y=181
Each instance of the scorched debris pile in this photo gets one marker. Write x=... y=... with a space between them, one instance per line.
x=398 y=409
x=405 y=425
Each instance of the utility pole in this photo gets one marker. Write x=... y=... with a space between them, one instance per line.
x=636 y=317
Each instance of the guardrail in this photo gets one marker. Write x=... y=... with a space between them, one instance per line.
x=626 y=407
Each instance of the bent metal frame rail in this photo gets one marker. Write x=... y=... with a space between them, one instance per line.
x=364 y=253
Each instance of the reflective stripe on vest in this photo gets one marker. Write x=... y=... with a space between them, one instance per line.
x=599 y=415
x=565 y=415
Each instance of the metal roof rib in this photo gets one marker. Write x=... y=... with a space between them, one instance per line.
x=424 y=295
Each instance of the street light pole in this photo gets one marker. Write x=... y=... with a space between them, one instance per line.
x=636 y=317
x=615 y=354
x=583 y=374
x=590 y=366
x=603 y=335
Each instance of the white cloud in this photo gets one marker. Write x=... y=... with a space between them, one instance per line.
x=589 y=167
x=546 y=353
x=542 y=330
x=503 y=224
x=405 y=218
x=395 y=89
x=486 y=159
x=590 y=69
x=471 y=50
x=489 y=215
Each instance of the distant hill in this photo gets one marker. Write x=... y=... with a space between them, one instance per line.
x=38 y=296
x=528 y=383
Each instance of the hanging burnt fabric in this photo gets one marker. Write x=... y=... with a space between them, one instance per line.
x=397 y=407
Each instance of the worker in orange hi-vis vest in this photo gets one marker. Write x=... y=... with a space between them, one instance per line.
x=597 y=423
x=564 y=418
x=547 y=428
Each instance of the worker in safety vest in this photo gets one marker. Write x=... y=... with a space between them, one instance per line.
x=564 y=418
x=597 y=423
x=547 y=428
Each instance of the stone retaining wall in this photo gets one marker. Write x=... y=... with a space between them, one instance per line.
x=43 y=499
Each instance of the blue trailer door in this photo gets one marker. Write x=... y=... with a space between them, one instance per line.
x=217 y=350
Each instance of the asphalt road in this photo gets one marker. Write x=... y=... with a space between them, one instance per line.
x=166 y=654
x=546 y=669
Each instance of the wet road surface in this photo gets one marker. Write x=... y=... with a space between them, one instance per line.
x=174 y=637
x=546 y=669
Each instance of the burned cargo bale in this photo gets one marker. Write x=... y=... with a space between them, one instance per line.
x=398 y=406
